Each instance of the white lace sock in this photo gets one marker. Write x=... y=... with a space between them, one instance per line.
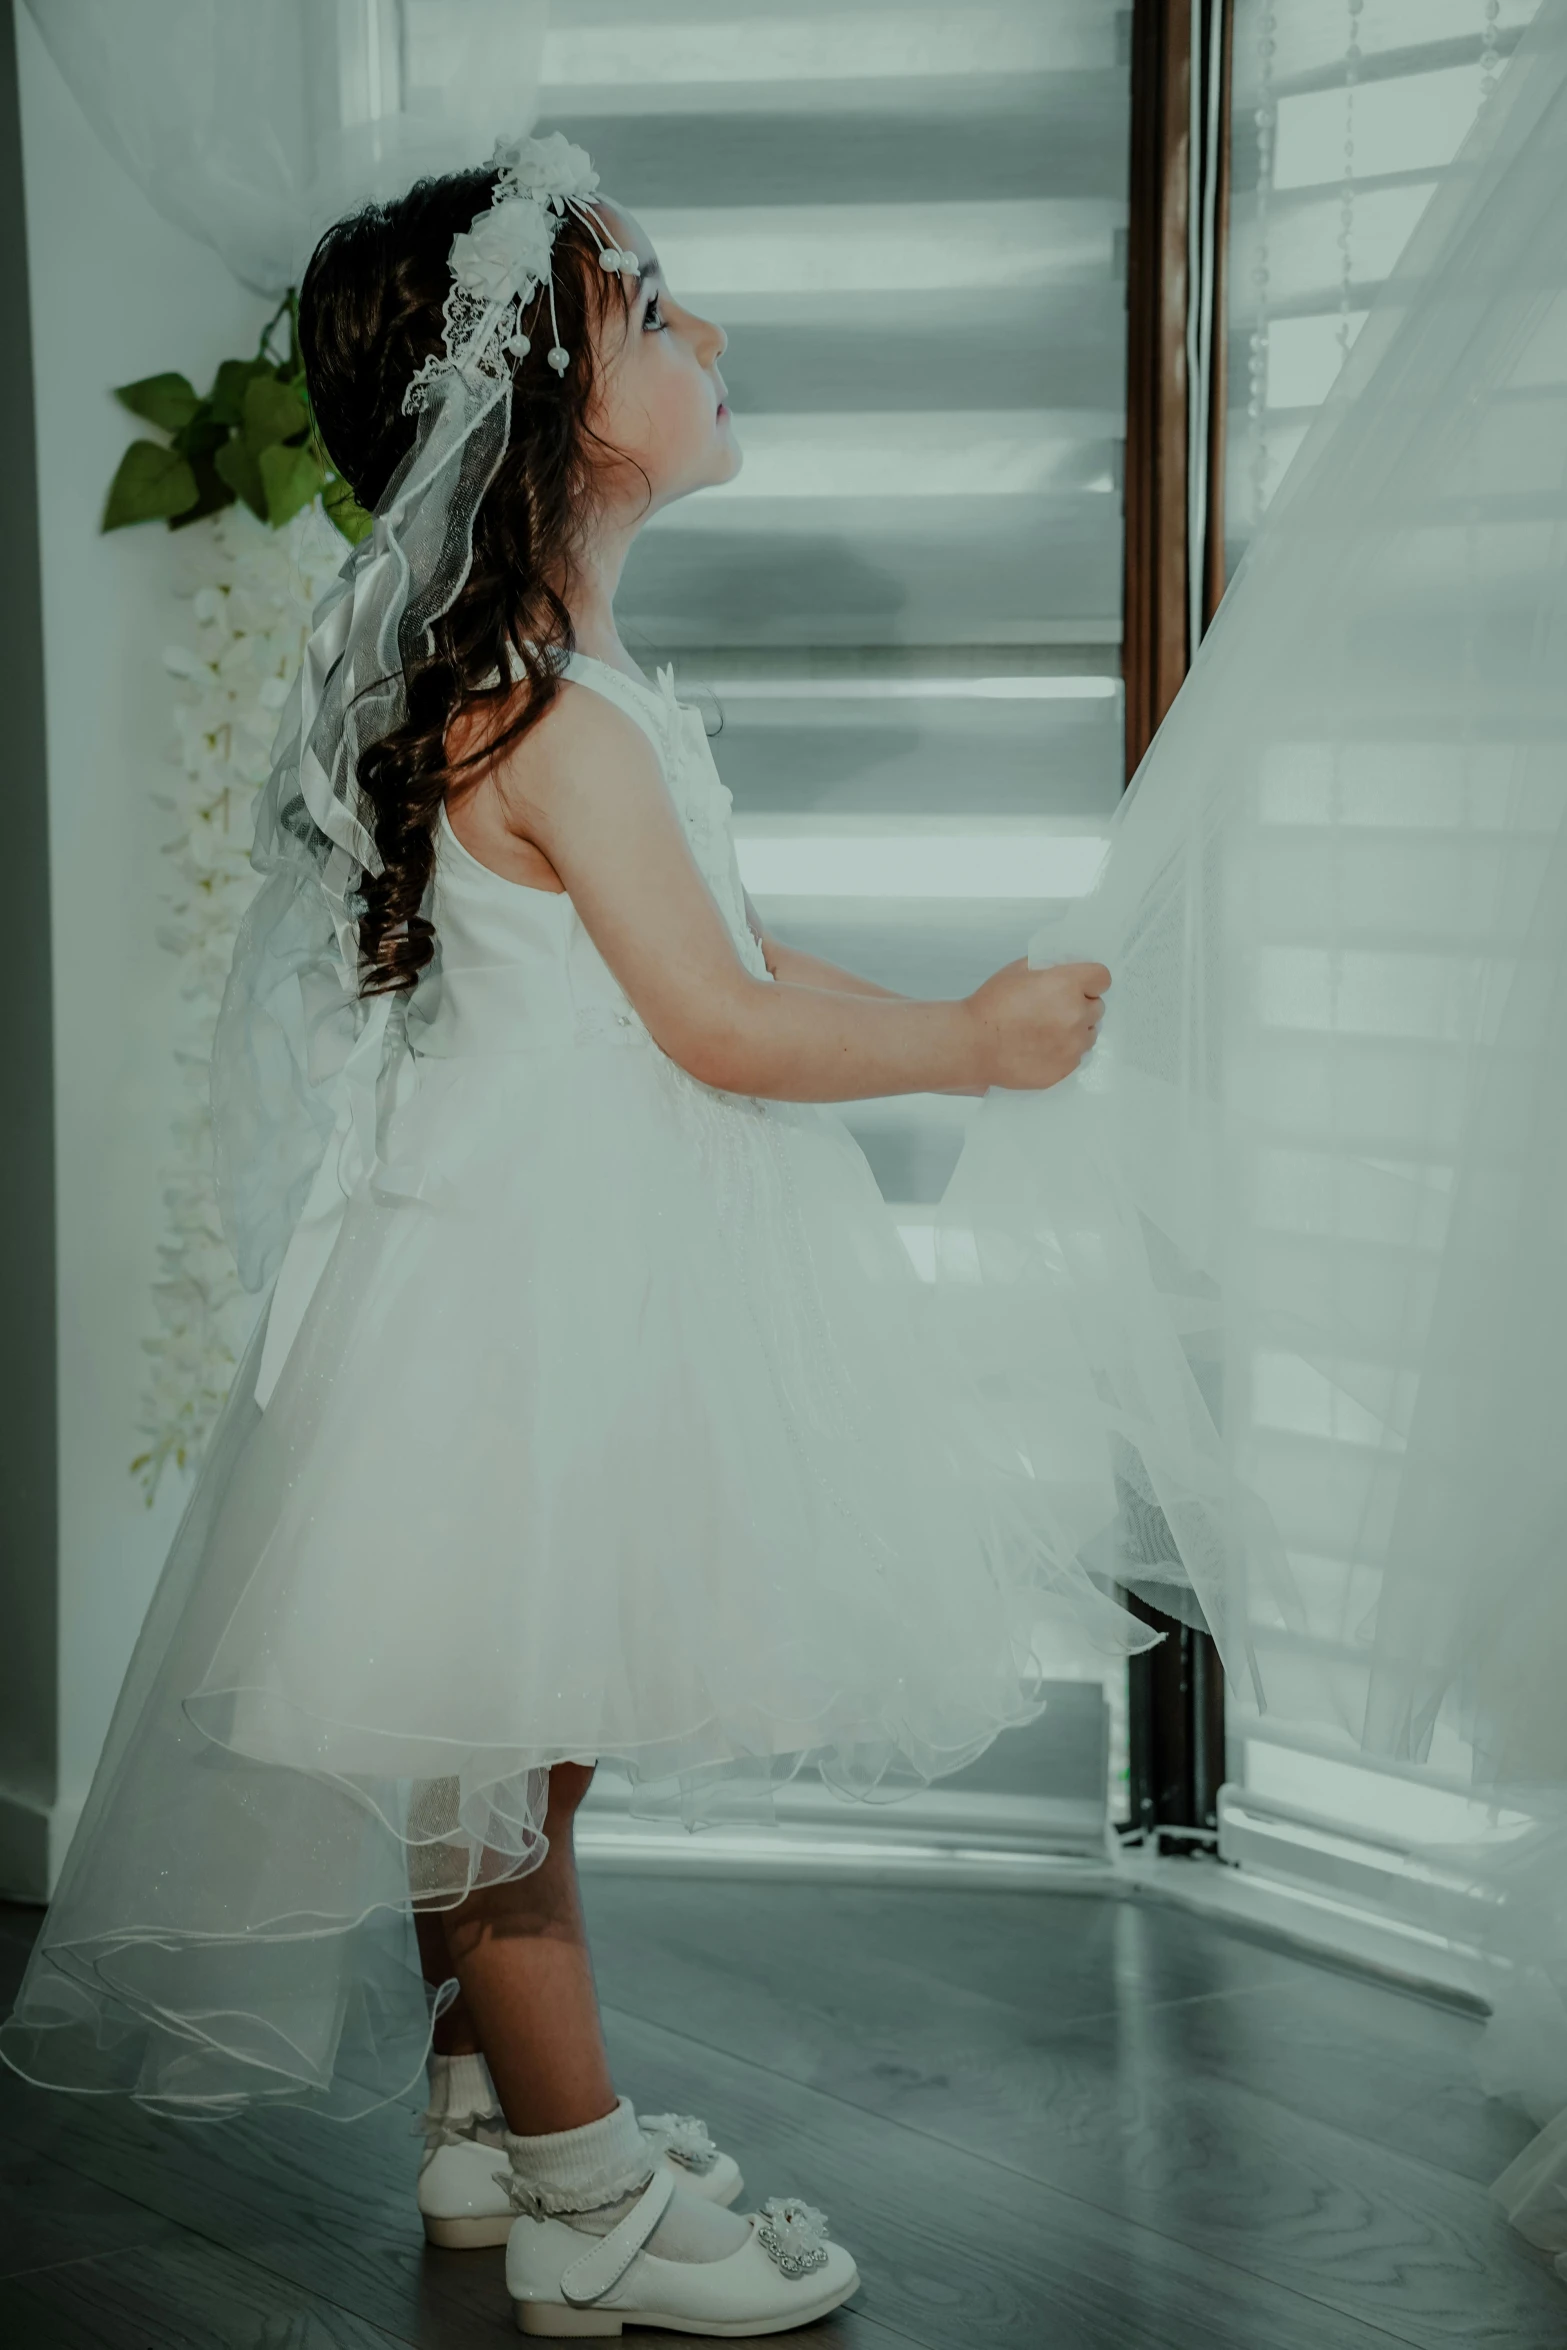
x=460 y=2085
x=592 y=2176
x=462 y=2096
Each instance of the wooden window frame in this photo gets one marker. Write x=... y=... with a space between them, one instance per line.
x=1156 y=630
x=1176 y=1691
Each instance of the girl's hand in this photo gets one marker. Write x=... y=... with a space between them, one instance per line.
x=1032 y=1028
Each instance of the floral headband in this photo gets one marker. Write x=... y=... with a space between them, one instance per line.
x=505 y=255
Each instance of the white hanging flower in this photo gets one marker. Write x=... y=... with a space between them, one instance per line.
x=252 y=592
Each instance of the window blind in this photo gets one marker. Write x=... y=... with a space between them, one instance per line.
x=902 y=619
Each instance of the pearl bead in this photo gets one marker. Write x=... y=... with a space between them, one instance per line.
x=559 y=359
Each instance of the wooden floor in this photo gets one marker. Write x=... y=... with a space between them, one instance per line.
x=1040 y=2122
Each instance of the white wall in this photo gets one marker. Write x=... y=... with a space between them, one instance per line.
x=116 y=294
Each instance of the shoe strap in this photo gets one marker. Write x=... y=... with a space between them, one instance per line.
x=591 y=2277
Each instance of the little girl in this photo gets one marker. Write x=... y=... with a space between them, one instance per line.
x=595 y=1413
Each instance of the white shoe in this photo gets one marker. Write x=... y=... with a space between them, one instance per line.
x=566 y=2283
x=462 y=2179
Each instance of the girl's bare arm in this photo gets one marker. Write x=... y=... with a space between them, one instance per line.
x=793 y=964
x=586 y=789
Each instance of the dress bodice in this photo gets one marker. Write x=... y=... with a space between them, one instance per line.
x=515 y=969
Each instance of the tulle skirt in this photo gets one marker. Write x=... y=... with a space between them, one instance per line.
x=620 y=1429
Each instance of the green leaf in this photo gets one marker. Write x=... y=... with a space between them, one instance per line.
x=227 y=397
x=235 y=465
x=291 y=478
x=150 y=484
x=345 y=510
x=168 y=401
x=212 y=493
x=273 y=413
x=203 y=436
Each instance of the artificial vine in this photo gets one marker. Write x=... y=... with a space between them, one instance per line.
x=252 y=439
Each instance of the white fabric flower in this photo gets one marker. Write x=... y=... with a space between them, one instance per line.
x=506 y=252
x=552 y=169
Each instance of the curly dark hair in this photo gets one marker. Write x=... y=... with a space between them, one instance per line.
x=369 y=315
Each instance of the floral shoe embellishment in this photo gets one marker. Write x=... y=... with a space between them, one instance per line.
x=794 y=2234
x=683 y=2138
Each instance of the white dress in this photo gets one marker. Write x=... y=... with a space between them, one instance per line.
x=616 y=1427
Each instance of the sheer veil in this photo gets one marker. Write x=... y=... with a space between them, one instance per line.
x=1299 y=1225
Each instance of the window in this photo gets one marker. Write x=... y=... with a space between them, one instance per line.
x=1345 y=118
x=907 y=606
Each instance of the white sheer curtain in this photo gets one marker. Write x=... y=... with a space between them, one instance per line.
x=256 y=123
x=1296 y=1237
x=1345 y=124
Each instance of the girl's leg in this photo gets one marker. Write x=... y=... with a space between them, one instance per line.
x=520 y=1952
x=454 y=2033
